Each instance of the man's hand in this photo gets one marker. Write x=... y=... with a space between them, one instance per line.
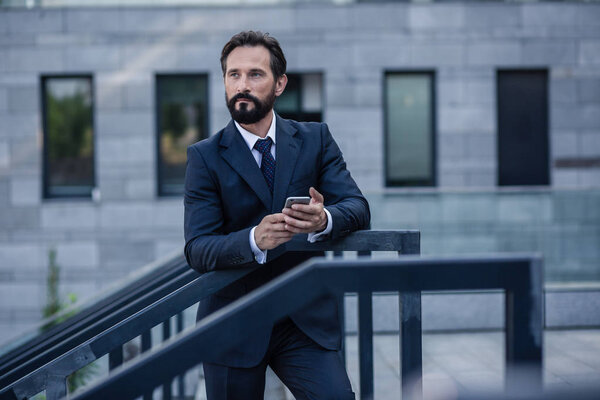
x=271 y=232
x=306 y=218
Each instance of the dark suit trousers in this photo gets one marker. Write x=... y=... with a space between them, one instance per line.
x=307 y=369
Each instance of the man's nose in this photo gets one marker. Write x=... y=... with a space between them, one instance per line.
x=243 y=86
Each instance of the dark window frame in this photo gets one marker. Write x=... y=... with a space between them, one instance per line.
x=300 y=93
x=432 y=182
x=45 y=167
x=531 y=69
x=159 y=166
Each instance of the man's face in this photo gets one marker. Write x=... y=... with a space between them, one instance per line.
x=250 y=87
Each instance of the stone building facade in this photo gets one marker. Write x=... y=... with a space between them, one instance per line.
x=352 y=46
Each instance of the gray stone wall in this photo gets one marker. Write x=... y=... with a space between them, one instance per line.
x=352 y=45
x=562 y=225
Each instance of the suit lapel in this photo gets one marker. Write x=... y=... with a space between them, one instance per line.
x=236 y=153
x=287 y=148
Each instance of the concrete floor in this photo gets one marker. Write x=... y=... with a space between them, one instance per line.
x=472 y=361
x=475 y=361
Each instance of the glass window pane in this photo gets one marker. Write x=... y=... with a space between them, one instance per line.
x=523 y=151
x=302 y=98
x=69 y=139
x=409 y=114
x=182 y=121
x=289 y=101
x=311 y=93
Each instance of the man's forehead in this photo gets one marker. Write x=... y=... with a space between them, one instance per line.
x=247 y=56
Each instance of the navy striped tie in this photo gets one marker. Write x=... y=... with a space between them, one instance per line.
x=267 y=165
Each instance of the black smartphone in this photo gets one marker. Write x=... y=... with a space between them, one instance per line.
x=296 y=200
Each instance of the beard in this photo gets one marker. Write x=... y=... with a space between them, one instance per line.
x=245 y=116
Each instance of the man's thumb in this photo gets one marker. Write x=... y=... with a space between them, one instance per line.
x=316 y=197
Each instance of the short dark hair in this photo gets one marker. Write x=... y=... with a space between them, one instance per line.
x=252 y=39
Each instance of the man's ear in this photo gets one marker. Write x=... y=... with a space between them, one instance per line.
x=280 y=84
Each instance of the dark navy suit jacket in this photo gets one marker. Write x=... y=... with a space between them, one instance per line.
x=226 y=195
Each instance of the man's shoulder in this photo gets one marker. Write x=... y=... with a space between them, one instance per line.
x=208 y=143
x=303 y=124
x=304 y=127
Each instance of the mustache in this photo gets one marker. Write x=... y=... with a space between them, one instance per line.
x=245 y=96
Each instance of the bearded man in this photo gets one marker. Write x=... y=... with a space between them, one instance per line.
x=236 y=185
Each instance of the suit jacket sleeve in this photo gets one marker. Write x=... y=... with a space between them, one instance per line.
x=348 y=207
x=207 y=246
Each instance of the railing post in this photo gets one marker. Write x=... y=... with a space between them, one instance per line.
x=166 y=331
x=365 y=344
x=115 y=358
x=365 y=340
x=411 y=349
x=180 y=378
x=341 y=315
x=56 y=387
x=342 y=321
x=147 y=345
x=524 y=328
x=411 y=330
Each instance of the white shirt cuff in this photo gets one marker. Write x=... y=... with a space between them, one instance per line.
x=315 y=236
x=259 y=255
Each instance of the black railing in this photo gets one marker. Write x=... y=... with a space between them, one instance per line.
x=519 y=276
x=108 y=334
x=89 y=321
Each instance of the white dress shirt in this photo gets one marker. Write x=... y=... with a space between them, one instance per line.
x=259 y=255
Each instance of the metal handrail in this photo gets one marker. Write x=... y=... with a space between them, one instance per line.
x=519 y=275
x=177 y=295
x=64 y=336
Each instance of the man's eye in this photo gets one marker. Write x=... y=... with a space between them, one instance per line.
x=234 y=74
x=256 y=74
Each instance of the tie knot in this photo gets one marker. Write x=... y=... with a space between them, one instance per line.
x=263 y=145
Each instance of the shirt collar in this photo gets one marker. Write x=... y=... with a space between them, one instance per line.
x=250 y=138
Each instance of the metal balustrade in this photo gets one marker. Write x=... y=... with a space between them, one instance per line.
x=520 y=276
x=87 y=321
x=180 y=292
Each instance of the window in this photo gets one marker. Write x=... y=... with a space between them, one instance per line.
x=409 y=129
x=182 y=120
x=523 y=157
x=68 y=136
x=301 y=99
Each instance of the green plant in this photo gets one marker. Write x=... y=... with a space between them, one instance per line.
x=58 y=308
x=53 y=304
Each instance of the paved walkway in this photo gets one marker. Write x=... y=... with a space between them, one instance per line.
x=474 y=361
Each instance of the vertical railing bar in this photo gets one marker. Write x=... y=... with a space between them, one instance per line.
x=411 y=346
x=410 y=332
x=167 y=386
x=115 y=358
x=365 y=313
x=342 y=320
x=180 y=378
x=341 y=313
x=56 y=387
x=524 y=327
x=146 y=340
x=365 y=344
x=147 y=345
x=509 y=332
